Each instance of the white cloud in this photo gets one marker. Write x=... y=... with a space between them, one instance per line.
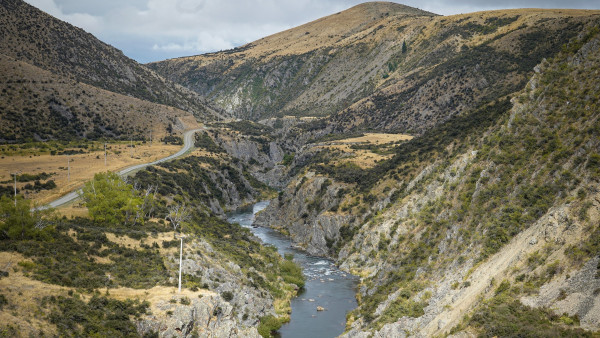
x=86 y=21
x=205 y=41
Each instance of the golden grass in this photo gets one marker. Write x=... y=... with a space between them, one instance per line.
x=74 y=210
x=364 y=158
x=156 y=293
x=83 y=166
x=377 y=138
x=23 y=295
x=335 y=30
x=132 y=243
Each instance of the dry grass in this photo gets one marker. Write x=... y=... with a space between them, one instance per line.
x=74 y=210
x=23 y=295
x=334 y=30
x=365 y=158
x=156 y=294
x=151 y=240
x=83 y=167
x=371 y=22
x=377 y=138
x=25 y=87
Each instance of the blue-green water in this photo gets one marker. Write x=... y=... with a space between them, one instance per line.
x=326 y=286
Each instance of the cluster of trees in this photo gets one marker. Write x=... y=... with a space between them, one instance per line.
x=19 y=221
x=112 y=200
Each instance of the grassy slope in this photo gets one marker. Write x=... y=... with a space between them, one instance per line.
x=78 y=255
x=72 y=110
x=535 y=165
x=300 y=71
x=355 y=60
x=32 y=36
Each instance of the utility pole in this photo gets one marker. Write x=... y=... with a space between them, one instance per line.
x=131 y=146
x=151 y=137
x=180 y=261
x=68 y=168
x=15 y=173
x=105 y=154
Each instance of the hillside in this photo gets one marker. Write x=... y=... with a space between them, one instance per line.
x=307 y=70
x=73 y=110
x=380 y=66
x=451 y=163
x=113 y=271
x=30 y=35
x=484 y=225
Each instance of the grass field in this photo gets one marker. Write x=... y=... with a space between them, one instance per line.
x=366 y=158
x=82 y=166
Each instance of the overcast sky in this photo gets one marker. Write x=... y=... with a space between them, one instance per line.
x=152 y=30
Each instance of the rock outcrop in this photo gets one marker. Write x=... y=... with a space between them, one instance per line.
x=208 y=316
x=303 y=211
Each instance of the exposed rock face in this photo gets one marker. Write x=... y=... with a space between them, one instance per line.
x=203 y=263
x=262 y=154
x=578 y=295
x=302 y=211
x=209 y=316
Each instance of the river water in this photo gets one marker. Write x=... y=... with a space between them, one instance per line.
x=326 y=285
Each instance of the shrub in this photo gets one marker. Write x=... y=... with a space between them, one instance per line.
x=292 y=273
x=269 y=325
x=227 y=295
x=101 y=316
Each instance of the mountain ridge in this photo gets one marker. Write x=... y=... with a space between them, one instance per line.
x=383 y=63
x=33 y=36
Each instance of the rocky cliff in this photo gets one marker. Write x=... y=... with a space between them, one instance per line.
x=301 y=212
x=209 y=316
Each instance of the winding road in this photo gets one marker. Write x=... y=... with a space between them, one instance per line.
x=187 y=145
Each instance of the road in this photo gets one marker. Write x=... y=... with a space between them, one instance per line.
x=188 y=142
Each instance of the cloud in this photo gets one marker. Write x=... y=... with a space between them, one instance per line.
x=151 y=30
x=205 y=41
x=91 y=23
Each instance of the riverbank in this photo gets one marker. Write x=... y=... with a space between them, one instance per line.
x=329 y=293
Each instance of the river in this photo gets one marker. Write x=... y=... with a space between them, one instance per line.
x=326 y=285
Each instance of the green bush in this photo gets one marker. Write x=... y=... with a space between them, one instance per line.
x=20 y=222
x=63 y=261
x=292 y=273
x=227 y=295
x=503 y=317
x=100 y=316
x=112 y=201
x=269 y=325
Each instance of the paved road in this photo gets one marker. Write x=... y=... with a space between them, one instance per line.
x=188 y=142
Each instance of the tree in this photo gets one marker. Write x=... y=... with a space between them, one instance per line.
x=111 y=200
x=178 y=214
x=150 y=202
x=20 y=221
x=404 y=48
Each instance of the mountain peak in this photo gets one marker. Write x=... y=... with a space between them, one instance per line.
x=386 y=7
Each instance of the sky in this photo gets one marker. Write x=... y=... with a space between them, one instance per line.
x=154 y=30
